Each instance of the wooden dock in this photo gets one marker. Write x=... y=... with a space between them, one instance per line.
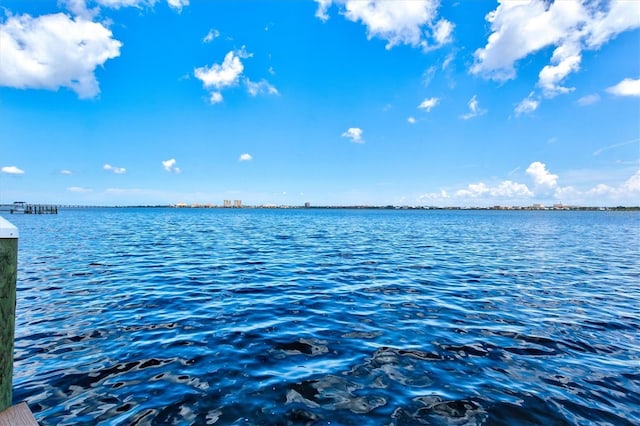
x=20 y=207
x=18 y=415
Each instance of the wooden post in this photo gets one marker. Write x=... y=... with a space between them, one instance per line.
x=8 y=274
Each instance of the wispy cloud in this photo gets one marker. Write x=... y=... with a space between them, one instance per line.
x=262 y=86
x=170 y=166
x=211 y=35
x=114 y=169
x=66 y=172
x=448 y=60
x=79 y=189
x=617 y=145
x=126 y=191
x=474 y=109
x=589 y=99
x=527 y=105
x=428 y=104
x=411 y=120
x=353 y=133
x=215 y=98
x=12 y=170
x=117 y=4
x=428 y=75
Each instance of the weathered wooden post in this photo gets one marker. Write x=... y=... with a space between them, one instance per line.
x=8 y=274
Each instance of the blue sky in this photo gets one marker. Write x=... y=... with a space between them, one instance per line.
x=419 y=102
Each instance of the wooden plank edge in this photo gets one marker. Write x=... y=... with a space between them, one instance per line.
x=18 y=415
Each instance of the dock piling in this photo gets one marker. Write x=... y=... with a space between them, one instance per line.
x=8 y=276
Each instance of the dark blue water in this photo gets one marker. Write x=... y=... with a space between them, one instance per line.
x=348 y=317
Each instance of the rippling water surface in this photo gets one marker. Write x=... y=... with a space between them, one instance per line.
x=353 y=317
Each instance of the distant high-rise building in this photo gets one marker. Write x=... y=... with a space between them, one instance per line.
x=237 y=203
x=227 y=203
x=307 y=204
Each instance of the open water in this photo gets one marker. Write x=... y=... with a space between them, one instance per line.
x=342 y=317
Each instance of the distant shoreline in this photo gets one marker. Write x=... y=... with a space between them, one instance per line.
x=6 y=208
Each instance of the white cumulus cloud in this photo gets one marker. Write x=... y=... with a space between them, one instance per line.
x=632 y=184
x=601 y=189
x=229 y=74
x=565 y=60
x=53 y=51
x=412 y=22
x=625 y=193
x=442 y=31
x=541 y=176
x=546 y=191
x=433 y=197
x=474 y=109
x=12 y=170
x=428 y=103
x=627 y=87
x=507 y=188
x=411 y=120
x=521 y=28
x=170 y=166
x=353 y=133
x=219 y=76
x=79 y=8
x=178 y=4
x=245 y=157
x=116 y=170
x=321 y=11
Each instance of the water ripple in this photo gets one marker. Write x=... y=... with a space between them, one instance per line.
x=165 y=316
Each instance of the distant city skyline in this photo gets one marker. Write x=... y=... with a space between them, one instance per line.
x=331 y=102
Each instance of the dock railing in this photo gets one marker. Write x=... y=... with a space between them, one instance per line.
x=20 y=207
x=8 y=275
